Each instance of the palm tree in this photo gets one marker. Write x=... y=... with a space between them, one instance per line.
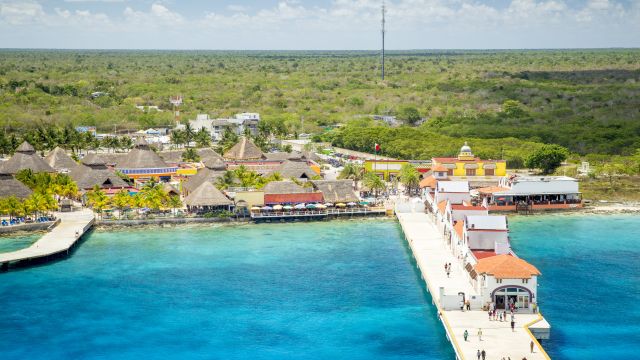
x=374 y=183
x=190 y=155
x=352 y=171
x=177 y=137
x=97 y=199
x=188 y=133
x=203 y=138
x=227 y=179
x=173 y=202
x=122 y=200
x=409 y=177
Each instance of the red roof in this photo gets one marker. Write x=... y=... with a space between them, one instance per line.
x=293 y=198
x=429 y=182
x=467 y=207
x=455 y=159
x=439 y=168
x=481 y=254
x=506 y=267
x=459 y=227
x=442 y=205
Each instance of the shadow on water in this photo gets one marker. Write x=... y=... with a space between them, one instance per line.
x=51 y=259
x=426 y=295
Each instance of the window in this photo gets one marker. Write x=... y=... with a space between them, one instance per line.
x=450 y=172
x=489 y=172
x=471 y=172
x=498 y=281
x=525 y=281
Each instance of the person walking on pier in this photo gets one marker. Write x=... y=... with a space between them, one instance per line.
x=513 y=325
x=480 y=334
x=484 y=354
x=466 y=335
x=479 y=354
x=530 y=345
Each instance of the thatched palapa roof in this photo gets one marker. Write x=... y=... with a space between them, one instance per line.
x=244 y=150
x=295 y=169
x=283 y=187
x=9 y=186
x=59 y=160
x=203 y=175
x=93 y=171
x=336 y=191
x=169 y=189
x=207 y=195
x=26 y=158
x=141 y=157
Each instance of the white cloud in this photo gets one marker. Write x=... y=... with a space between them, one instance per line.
x=21 y=12
x=349 y=23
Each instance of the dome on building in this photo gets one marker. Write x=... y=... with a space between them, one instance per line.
x=465 y=148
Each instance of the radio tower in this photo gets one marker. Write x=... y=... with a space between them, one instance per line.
x=384 y=10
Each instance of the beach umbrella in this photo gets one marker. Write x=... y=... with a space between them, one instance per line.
x=341 y=205
x=299 y=206
x=277 y=207
x=311 y=206
x=267 y=208
x=351 y=204
x=320 y=206
x=255 y=208
x=328 y=204
x=287 y=207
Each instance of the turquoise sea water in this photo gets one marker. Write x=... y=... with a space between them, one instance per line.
x=336 y=290
x=13 y=243
x=590 y=285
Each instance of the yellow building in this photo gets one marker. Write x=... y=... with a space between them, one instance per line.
x=466 y=164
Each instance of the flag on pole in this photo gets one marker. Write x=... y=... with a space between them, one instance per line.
x=377 y=147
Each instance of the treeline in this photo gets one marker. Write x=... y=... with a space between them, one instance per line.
x=585 y=100
x=48 y=138
x=423 y=144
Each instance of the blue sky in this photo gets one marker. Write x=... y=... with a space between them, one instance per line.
x=318 y=24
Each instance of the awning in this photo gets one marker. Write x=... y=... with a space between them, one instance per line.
x=489 y=166
x=470 y=166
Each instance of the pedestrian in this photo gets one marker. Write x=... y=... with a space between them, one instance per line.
x=480 y=334
x=466 y=335
x=500 y=316
x=484 y=354
x=513 y=325
x=489 y=315
x=445 y=267
x=531 y=346
x=461 y=305
x=478 y=353
x=468 y=305
x=448 y=273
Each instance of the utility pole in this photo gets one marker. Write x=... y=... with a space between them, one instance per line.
x=384 y=10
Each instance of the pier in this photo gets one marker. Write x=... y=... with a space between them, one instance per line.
x=59 y=240
x=498 y=340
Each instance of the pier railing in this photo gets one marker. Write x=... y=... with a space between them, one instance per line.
x=312 y=213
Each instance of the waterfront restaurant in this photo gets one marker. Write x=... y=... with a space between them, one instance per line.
x=506 y=279
x=207 y=198
x=532 y=193
x=289 y=193
x=143 y=164
x=466 y=164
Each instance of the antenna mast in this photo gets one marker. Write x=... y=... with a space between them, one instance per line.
x=384 y=10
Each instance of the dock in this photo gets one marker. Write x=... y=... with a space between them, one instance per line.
x=498 y=340
x=59 y=240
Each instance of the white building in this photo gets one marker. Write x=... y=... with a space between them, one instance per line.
x=506 y=279
x=456 y=192
x=533 y=192
x=216 y=127
x=487 y=233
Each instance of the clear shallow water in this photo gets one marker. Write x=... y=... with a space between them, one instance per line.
x=337 y=290
x=590 y=284
x=14 y=243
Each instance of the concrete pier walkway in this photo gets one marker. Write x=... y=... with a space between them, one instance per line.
x=498 y=340
x=60 y=239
